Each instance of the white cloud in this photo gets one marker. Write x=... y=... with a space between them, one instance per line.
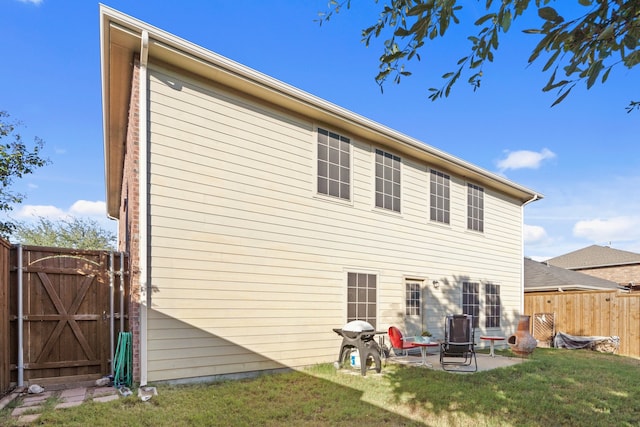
x=534 y=234
x=583 y=211
x=87 y=208
x=46 y=211
x=603 y=231
x=524 y=159
x=36 y=2
x=80 y=209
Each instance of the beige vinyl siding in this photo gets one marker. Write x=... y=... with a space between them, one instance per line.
x=248 y=264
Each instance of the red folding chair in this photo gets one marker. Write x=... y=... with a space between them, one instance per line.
x=398 y=342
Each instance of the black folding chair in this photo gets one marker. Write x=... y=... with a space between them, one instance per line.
x=458 y=347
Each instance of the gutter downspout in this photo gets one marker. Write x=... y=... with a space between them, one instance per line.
x=145 y=295
x=121 y=291
x=533 y=199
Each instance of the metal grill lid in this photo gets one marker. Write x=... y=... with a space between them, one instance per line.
x=358 y=326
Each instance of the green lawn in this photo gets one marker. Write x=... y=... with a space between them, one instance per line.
x=555 y=387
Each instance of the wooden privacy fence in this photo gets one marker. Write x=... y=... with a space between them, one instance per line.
x=74 y=304
x=592 y=313
x=5 y=376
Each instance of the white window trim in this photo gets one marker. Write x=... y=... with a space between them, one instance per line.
x=314 y=165
x=345 y=298
x=373 y=183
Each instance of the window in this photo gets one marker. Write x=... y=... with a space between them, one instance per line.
x=361 y=297
x=439 y=196
x=334 y=165
x=414 y=299
x=492 y=305
x=475 y=207
x=387 y=181
x=471 y=300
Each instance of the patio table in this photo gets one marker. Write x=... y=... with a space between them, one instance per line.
x=492 y=339
x=423 y=349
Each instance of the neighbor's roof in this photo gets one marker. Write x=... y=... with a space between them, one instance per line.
x=121 y=37
x=595 y=256
x=539 y=276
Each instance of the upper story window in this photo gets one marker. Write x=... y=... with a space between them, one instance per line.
x=471 y=300
x=440 y=200
x=334 y=165
x=475 y=208
x=492 y=305
x=387 y=181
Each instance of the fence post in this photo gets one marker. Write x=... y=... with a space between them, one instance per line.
x=20 y=320
x=5 y=312
x=111 y=311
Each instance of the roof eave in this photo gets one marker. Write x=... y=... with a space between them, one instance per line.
x=120 y=38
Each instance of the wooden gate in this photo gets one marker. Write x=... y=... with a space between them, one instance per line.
x=72 y=308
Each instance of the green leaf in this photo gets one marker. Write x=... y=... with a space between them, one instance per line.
x=593 y=72
x=562 y=97
x=632 y=59
x=607 y=33
x=494 y=39
x=419 y=9
x=548 y=13
x=549 y=84
x=630 y=42
x=444 y=24
x=585 y=2
x=506 y=20
x=551 y=60
x=632 y=106
x=485 y=18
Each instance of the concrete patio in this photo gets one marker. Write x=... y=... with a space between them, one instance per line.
x=485 y=362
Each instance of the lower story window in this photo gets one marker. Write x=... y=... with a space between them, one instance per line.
x=492 y=305
x=471 y=300
x=361 y=297
x=413 y=298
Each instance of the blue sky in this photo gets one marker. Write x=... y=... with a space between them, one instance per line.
x=582 y=155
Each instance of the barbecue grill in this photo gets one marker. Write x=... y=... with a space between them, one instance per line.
x=358 y=335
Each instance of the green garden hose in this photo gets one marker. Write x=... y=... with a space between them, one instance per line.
x=123 y=361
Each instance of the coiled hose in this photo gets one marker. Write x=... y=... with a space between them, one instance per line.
x=123 y=361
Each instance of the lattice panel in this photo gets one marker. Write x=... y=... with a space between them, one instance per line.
x=544 y=328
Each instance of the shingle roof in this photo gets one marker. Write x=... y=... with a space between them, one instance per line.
x=538 y=276
x=595 y=256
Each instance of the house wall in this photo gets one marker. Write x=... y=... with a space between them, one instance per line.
x=623 y=274
x=128 y=226
x=249 y=265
